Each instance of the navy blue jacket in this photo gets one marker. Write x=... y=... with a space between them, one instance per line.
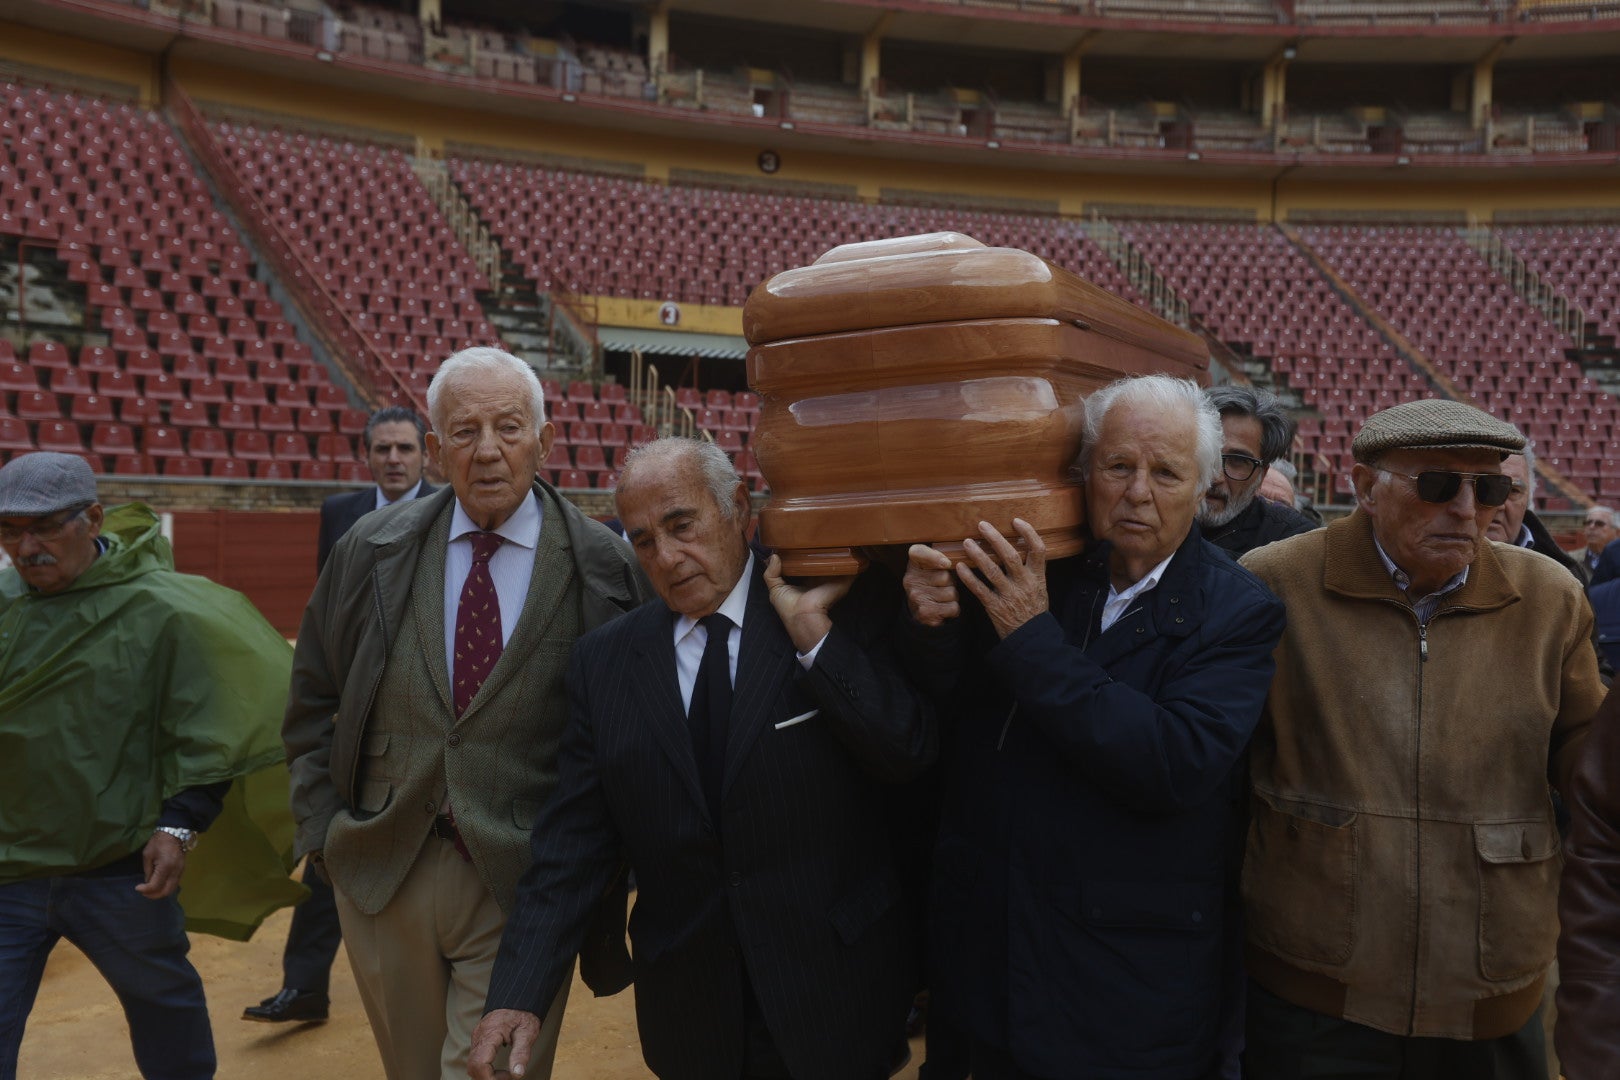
x=1080 y=884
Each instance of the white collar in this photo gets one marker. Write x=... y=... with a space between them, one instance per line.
x=733 y=607
x=522 y=528
x=1142 y=585
x=384 y=500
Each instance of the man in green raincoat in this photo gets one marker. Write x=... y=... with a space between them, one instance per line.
x=139 y=707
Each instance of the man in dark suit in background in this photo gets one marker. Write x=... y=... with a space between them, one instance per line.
x=747 y=777
x=394 y=441
x=395 y=450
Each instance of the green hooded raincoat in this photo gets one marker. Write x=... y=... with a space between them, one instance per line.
x=131 y=685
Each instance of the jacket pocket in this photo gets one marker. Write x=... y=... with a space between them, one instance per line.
x=1519 y=864
x=373 y=752
x=1299 y=880
x=372 y=798
x=525 y=812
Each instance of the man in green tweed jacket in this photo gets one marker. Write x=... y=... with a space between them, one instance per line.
x=427 y=704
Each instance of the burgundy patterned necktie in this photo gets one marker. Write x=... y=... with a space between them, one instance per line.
x=478 y=623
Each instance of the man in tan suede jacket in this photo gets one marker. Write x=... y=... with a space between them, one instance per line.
x=1400 y=879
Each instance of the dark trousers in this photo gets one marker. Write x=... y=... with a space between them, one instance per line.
x=138 y=945
x=948 y=1050
x=1287 y=1042
x=313 y=939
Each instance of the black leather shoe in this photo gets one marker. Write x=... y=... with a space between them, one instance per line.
x=289 y=1004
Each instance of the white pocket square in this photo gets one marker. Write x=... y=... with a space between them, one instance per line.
x=801 y=718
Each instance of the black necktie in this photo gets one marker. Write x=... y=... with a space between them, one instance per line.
x=710 y=712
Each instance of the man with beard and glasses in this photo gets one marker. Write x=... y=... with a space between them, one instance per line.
x=1255 y=431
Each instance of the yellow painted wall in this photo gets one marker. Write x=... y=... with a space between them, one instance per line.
x=643 y=314
x=39 y=48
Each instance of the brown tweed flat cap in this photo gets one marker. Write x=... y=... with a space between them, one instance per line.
x=1434 y=424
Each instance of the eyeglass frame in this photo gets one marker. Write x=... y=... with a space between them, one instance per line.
x=1459 y=476
x=44 y=533
x=1254 y=464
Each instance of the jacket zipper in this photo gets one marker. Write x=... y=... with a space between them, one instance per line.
x=1417 y=816
x=1417 y=820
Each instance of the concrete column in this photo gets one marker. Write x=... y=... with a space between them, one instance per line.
x=658 y=38
x=872 y=53
x=1484 y=72
x=1274 y=88
x=1071 y=69
x=430 y=12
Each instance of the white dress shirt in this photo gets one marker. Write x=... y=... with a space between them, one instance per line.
x=510 y=568
x=383 y=500
x=691 y=636
x=1118 y=602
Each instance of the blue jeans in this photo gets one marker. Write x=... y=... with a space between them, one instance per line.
x=138 y=945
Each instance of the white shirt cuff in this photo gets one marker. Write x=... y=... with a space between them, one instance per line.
x=809 y=658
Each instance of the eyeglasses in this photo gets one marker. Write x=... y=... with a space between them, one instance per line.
x=1434 y=486
x=1239 y=467
x=1597 y=523
x=44 y=531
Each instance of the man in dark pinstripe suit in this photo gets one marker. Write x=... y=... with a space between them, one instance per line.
x=769 y=934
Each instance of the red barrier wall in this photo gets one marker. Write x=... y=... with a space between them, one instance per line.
x=268 y=556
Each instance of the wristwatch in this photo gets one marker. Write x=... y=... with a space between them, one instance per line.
x=187 y=837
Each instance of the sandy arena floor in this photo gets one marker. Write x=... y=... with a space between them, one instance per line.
x=77 y=1030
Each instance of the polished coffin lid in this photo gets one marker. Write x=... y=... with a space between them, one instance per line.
x=911 y=387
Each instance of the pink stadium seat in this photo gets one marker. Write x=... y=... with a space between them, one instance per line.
x=14 y=434
x=37 y=405
x=60 y=436
x=134 y=465
x=162 y=442
x=251 y=445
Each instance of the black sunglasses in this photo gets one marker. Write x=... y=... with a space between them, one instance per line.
x=1490 y=489
x=1239 y=467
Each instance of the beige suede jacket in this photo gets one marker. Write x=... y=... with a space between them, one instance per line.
x=1402 y=863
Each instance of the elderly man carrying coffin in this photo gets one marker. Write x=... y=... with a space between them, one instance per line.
x=1401 y=875
x=1098 y=706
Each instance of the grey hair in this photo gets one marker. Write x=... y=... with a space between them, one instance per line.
x=1160 y=393
x=718 y=474
x=1530 y=472
x=1606 y=511
x=1276 y=426
x=484 y=360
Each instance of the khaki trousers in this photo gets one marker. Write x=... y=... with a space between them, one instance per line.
x=423 y=965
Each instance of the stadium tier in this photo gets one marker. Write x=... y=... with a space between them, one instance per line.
x=152 y=344
x=754 y=73
x=366 y=227
x=618 y=237
x=1441 y=296
x=181 y=363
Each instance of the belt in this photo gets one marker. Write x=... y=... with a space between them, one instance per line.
x=444 y=827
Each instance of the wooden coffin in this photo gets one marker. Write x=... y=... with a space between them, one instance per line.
x=912 y=387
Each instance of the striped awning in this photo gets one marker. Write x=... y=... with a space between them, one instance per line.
x=673 y=342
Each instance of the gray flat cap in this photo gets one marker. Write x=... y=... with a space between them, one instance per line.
x=41 y=483
x=1434 y=424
